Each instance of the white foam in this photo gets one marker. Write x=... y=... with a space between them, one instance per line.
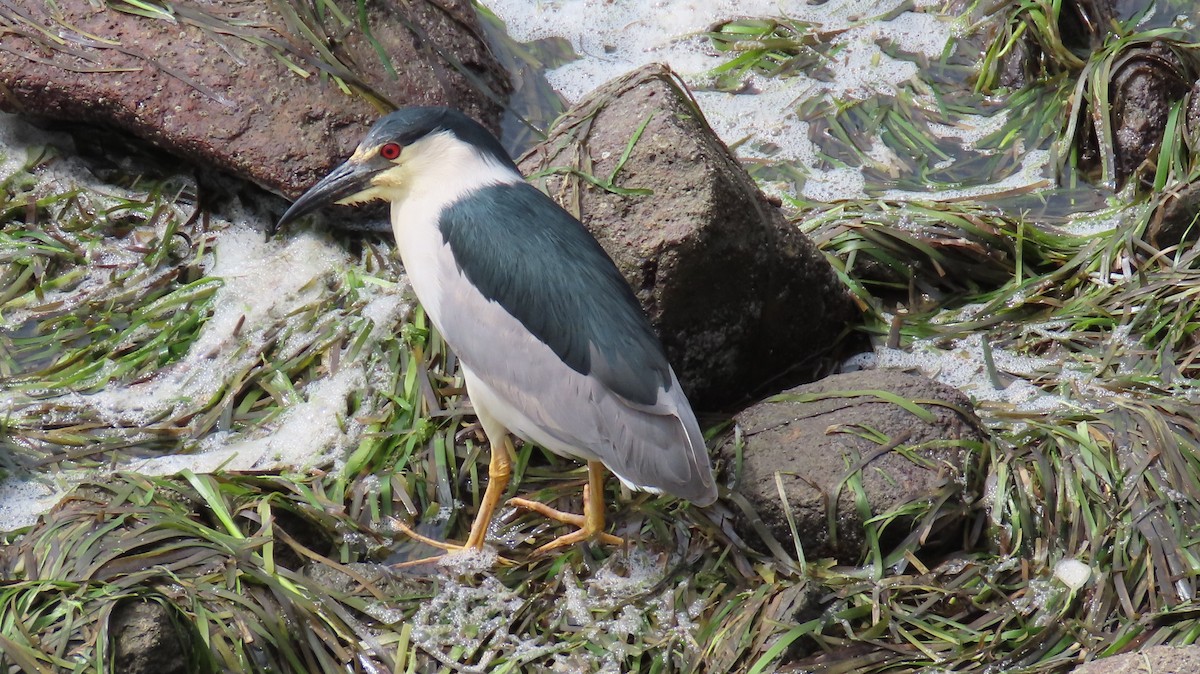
x=468 y=616
x=264 y=285
x=467 y=562
x=384 y=311
x=862 y=69
x=613 y=38
x=66 y=175
x=263 y=282
x=575 y=607
x=842 y=183
x=911 y=32
x=308 y=434
x=1093 y=223
x=23 y=501
x=970 y=129
x=962 y=366
x=736 y=118
x=1073 y=573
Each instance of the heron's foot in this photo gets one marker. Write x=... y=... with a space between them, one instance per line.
x=448 y=548
x=590 y=527
x=433 y=543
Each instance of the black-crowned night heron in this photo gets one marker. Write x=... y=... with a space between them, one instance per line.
x=553 y=344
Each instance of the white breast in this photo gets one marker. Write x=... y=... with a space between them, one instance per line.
x=435 y=172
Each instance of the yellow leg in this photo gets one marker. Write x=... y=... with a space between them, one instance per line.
x=499 y=470
x=590 y=523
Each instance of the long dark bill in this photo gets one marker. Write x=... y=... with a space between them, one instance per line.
x=350 y=178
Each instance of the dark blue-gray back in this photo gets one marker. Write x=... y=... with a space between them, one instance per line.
x=538 y=262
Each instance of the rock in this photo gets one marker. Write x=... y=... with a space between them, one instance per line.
x=1085 y=24
x=209 y=80
x=1147 y=81
x=146 y=639
x=1192 y=118
x=1156 y=659
x=815 y=436
x=1175 y=216
x=737 y=294
x=1020 y=65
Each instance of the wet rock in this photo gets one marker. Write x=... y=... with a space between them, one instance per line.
x=1020 y=65
x=1192 y=118
x=1158 y=659
x=1085 y=24
x=737 y=294
x=815 y=437
x=1146 y=83
x=1175 y=217
x=216 y=82
x=147 y=639
x=1178 y=206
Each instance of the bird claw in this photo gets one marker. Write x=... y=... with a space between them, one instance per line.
x=448 y=548
x=588 y=530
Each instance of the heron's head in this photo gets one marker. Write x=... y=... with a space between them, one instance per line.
x=410 y=149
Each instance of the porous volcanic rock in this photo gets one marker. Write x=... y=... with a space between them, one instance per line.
x=218 y=81
x=737 y=294
x=817 y=436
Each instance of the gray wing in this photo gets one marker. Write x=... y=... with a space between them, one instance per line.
x=520 y=250
x=520 y=382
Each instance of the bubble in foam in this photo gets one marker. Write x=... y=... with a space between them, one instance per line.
x=467 y=561
x=626 y=574
x=836 y=184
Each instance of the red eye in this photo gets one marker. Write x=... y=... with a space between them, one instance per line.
x=389 y=151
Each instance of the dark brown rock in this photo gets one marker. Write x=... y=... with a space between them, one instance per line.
x=1156 y=659
x=1146 y=83
x=1020 y=65
x=814 y=437
x=146 y=639
x=209 y=82
x=1192 y=118
x=1085 y=24
x=737 y=294
x=1175 y=216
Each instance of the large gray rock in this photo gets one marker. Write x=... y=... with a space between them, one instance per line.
x=1155 y=660
x=813 y=438
x=737 y=294
x=210 y=81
